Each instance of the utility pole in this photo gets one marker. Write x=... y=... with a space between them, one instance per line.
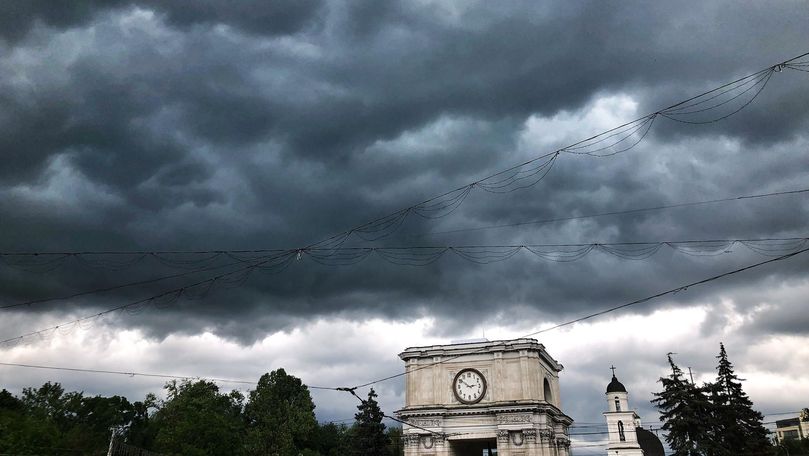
x=112 y=441
x=691 y=375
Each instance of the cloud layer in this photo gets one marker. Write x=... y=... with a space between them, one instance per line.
x=151 y=125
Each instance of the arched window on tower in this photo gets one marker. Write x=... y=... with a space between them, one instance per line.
x=621 y=435
x=617 y=404
x=547 y=391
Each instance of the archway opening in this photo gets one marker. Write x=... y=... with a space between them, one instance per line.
x=548 y=394
x=475 y=447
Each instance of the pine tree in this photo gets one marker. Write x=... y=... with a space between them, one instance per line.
x=739 y=426
x=685 y=413
x=368 y=435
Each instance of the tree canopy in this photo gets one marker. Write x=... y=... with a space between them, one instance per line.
x=280 y=416
x=195 y=418
x=715 y=419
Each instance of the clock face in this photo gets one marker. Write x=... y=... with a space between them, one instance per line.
x=469 y=386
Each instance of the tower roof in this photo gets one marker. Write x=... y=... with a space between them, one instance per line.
x=615 y=386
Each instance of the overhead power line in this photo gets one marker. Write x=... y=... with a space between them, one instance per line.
x=487 y=254
x=142 y=374
x=523 y=175
x=167 y=257
x=621 y=212
x=417 y=255
x=197 y=289
x=126 y=285
x=610 y=142
x=598 y=314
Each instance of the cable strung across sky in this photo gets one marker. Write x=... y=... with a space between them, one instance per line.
x=486 y=254
x=46 y=261
x=352 y=390
x=524 y=175
x=189 y=260
x=598 y=314
x=611 y=213
x=707 y=107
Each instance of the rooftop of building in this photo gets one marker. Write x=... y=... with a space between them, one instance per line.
x=479 y=346
x=615 y=386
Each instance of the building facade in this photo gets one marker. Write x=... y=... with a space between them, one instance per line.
x=793 y=428
x=466 y=398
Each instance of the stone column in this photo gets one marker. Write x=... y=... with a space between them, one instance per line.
x=503 y=444
x=411 y=444
x=497 y=393
x=530 y=442
x=526 y=374
x=439 y=383
x=563 y=446
x=545 y=443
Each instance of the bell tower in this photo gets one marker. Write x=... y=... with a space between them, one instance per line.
x=621 y=421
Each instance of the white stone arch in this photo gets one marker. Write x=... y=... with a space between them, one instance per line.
x=547 y=391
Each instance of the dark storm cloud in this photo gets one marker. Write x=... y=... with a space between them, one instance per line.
x=16 y=18
x=135 y=131
x=266 y=18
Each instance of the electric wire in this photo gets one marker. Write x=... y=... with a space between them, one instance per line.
x=187 y=290
x=597 y=314
x=515 y=177
x=510 y=179
x=341 y=254
x=610 y=213
x=487 y=254
x=142 y=374
x=246 y=255
x=116 y=287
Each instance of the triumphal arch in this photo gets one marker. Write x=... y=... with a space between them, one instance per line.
x=473 y=397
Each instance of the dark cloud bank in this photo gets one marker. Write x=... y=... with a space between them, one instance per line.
x=154 y=125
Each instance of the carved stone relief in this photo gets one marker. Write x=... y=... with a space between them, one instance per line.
x=502 y=419
x=425 y=422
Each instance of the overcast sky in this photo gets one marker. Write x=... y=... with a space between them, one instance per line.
x=159 y=125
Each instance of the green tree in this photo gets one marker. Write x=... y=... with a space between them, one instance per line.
x=87 y=423
x=280 y=416
x=396 y=443
x=368 y=435
x=685 y=413
x=47 y=417
x=333 y=439
x=141 y=432
x=739 y=428
x=197 y=420
x=9 y=402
